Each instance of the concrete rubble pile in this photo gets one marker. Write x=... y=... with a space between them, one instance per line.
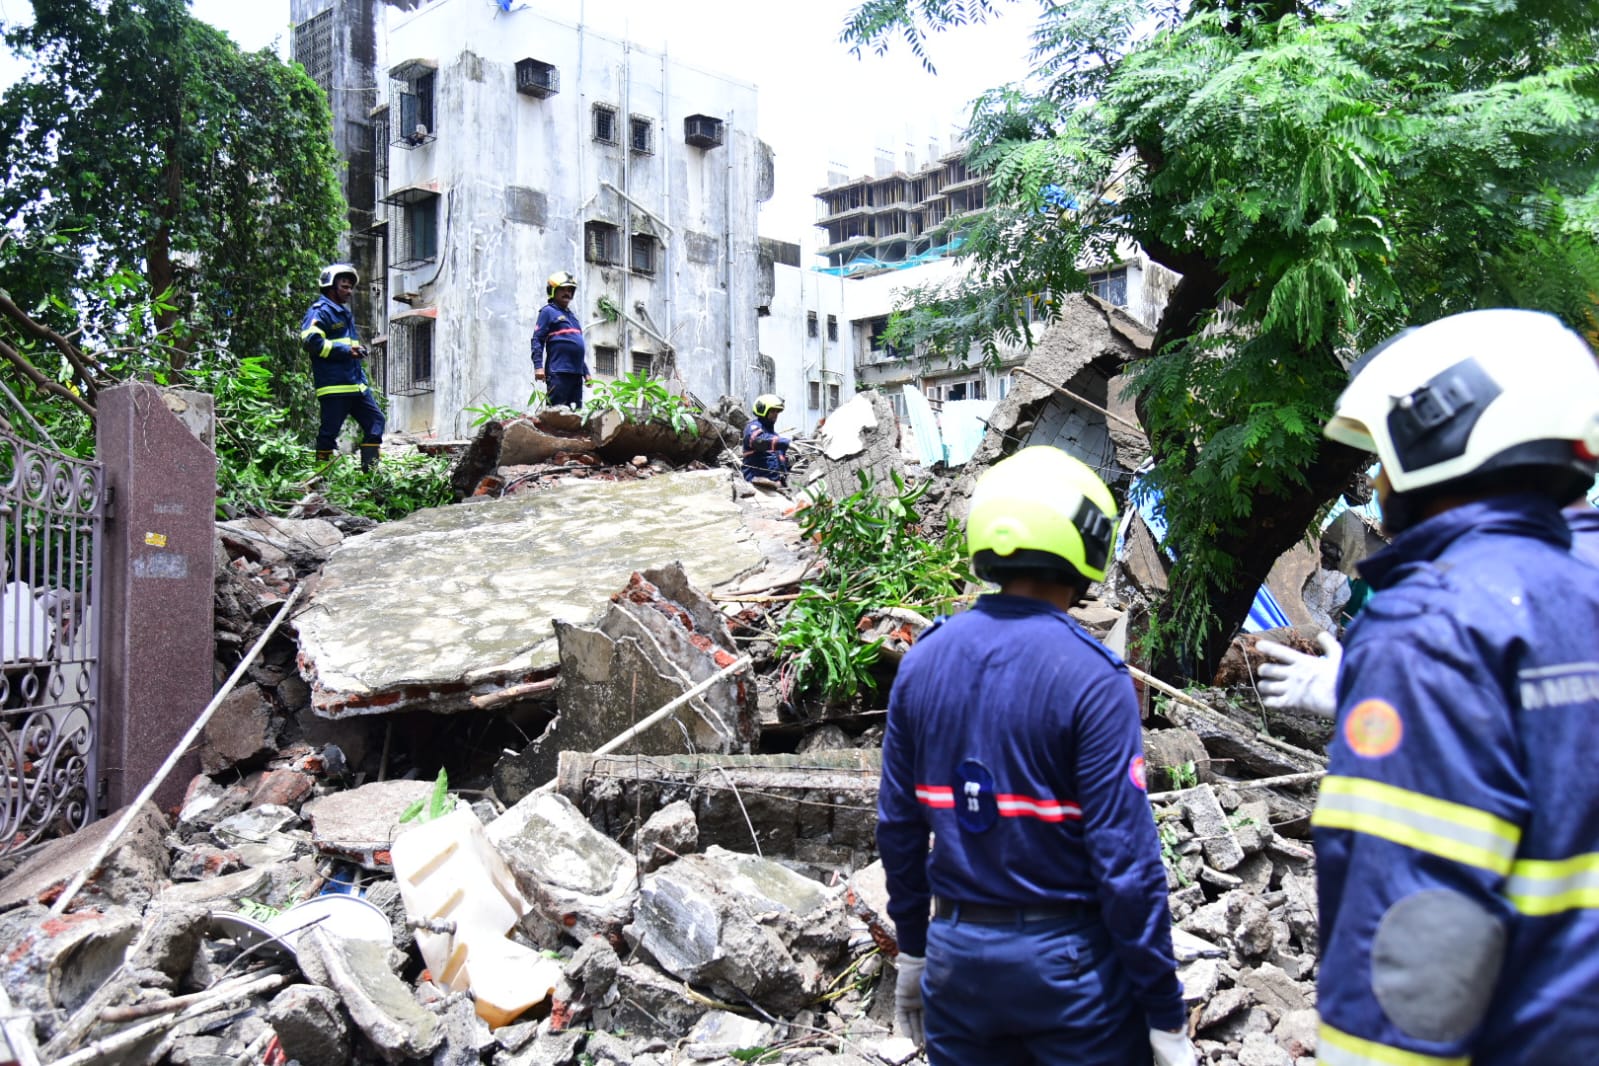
x=688 y=899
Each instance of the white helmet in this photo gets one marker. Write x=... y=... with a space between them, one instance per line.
x=1472 y=393
x=330 y=274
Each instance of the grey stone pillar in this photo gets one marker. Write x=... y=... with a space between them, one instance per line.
x=158 y=584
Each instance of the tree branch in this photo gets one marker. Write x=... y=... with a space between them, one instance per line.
x=43 y=383
x=68 y=350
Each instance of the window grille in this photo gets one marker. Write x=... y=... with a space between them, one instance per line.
x=832 y=327
x=702 y=131
x=810 y=324
x=313 y=48
x=537 y=78
x=603 y=243
x=380 y=144
x=832 y=397
x=415 y=125
x=605 y=123
x=416 y=240
x=641 y=135
x=643 y=363
x=410 y=362
x=815 y=392
x=604 y=360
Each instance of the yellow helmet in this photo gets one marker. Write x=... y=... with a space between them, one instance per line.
x=1040 y=509
x=767 y=403
x=559 y=280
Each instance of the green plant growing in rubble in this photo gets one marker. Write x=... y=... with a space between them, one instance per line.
x=1184 y=775
x=875 y=555
x=641 y=398
x=436 y=804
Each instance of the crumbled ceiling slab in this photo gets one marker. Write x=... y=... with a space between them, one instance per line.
x=454 y=601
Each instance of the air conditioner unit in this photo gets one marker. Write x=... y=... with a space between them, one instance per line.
x=703 y=131
x=534 y=77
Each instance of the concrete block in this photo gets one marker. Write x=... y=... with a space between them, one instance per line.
x=134 y=872
x=360 y=824
x=570 y=872
x=239 y=732
x=309 y=1024
x=380 y=1004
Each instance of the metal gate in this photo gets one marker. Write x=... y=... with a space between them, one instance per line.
x=52 y=515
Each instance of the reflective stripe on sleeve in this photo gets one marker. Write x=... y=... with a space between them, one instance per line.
x=935 y=795
x=1550 y=886
x=1337 y=1048
x=1449 y=830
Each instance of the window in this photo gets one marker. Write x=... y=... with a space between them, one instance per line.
x=643 y=363
x=641 y=253
x=603 y=243
x=881 y=349
x=810 y=324
x=416 y=241
x=832 y=327
x=410 y=362
x=832 y=397
x=641 y=135
x=313 y=48
x=702 y=131
x=815 y=403
x=605 y=123
x=413 y=87
x=604 y=360
x=537 y=78
x=1110 y=286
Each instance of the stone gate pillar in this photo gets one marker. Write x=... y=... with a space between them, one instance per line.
x=157 y=585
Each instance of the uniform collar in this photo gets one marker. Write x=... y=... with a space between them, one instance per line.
x=1016 y=606
x=1522 y=515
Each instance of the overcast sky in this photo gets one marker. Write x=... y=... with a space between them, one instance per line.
x=818 y=104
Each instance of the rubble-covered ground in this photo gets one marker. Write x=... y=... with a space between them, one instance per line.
x=486 y=886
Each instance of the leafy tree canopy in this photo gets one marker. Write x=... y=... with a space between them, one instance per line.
x=1321 y=173
x=143 y=144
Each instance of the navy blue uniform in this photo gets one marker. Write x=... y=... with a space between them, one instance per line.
x=1457 y=832
x=765 y=453
x=559 y=350
x=1013 y=737
x=329 y=336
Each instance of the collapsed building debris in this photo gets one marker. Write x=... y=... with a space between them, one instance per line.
x=690 y=898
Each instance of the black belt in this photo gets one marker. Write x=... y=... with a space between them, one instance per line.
x=983 y=914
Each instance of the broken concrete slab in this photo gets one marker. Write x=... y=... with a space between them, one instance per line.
x=240 y=731
x=669 y=833
x=309 y=1024
x=134 y=872
x=619 y=438
x=577 y=878
x=304 y=542
x=360 y=824
x=736 y=923
x=52 y=966
x=861 y=436
x=648 y=1003
x=396 y=622
x=658 y=638
x=380 y=1004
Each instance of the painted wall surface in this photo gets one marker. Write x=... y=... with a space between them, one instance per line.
x=518 y=178
x=800 y=359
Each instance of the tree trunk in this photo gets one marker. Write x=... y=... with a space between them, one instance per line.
x=1283 y=523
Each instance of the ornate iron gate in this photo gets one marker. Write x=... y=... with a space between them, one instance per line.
x=52 y=515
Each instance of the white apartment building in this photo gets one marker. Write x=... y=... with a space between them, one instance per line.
x=505 y=145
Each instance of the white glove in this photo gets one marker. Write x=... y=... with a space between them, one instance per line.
x=1296 y=681
x=908 y=997
x=1173 y=1049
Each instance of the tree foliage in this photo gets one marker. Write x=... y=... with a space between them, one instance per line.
x=142 y=142
x=1321 y=173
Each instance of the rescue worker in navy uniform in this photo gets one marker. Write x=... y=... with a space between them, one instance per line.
x=1013 y=737
x=328 y=334
x=765 y=449
x=559 y=336
x=1457 y=831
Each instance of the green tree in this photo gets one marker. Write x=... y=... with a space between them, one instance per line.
x=142 y=142
x=1320 y=173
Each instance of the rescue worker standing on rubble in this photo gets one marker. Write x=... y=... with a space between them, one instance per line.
x=765 y=456
x=1457 y=831
x=558 y=342
x=1013 y=738
x=329 y=336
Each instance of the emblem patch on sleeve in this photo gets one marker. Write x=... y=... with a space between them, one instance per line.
x=1135 y=773
x=1373 y=729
